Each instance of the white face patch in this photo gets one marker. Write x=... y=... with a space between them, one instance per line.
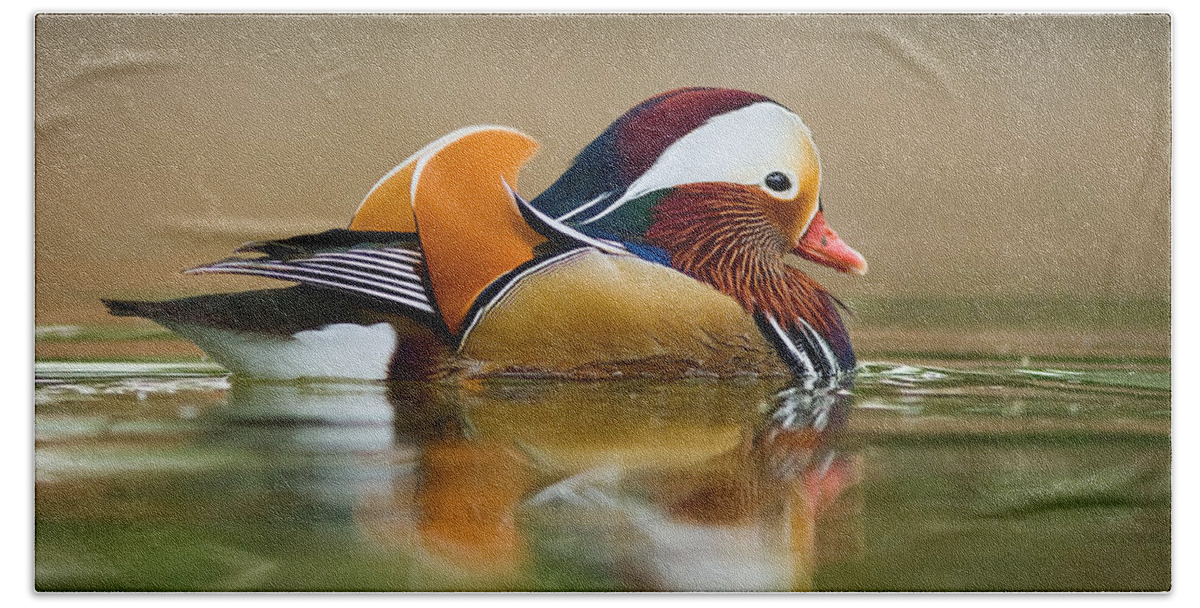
x=739 y=147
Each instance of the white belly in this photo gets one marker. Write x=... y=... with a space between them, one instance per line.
x=341 y=350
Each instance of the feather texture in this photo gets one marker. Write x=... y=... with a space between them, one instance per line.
x=387 y=267
x=722 y=235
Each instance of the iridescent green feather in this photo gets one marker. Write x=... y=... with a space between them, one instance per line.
x=630 y=221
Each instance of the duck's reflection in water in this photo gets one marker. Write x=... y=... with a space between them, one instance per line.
x=653 y=486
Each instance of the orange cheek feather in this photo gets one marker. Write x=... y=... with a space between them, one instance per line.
x=793 y=216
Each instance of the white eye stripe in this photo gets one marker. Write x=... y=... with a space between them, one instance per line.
x=739 y=147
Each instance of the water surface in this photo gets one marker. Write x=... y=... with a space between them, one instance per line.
x=962 y=475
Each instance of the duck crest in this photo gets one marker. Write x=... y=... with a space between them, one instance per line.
x=632 y=143
x=721 y=234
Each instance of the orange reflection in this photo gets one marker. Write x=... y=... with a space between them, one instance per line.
x=687 y=494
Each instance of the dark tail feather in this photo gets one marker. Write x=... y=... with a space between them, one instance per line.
x=275 y=311
x=164 y=312
x=132 y=308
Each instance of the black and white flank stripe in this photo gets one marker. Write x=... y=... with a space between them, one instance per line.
x=803 y=348
x=387 y=267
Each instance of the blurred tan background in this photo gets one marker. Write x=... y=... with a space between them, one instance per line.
x=981 y=156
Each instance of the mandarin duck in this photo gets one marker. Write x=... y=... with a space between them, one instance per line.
x=660 y=252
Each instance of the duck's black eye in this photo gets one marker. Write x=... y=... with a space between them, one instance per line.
x=778 y=181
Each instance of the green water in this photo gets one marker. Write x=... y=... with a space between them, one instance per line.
x=962 y=475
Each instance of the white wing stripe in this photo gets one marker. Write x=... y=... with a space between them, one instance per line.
x=278 y=275
x=416 y=288
x=374 y=262
x=403 y=255
x=389 y=270
x=603 y=245
x=584 y=207
x=300 y=271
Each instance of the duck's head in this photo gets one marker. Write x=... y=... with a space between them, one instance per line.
x=718 y=183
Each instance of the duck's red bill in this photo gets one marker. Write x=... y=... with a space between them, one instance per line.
x=823 y=246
